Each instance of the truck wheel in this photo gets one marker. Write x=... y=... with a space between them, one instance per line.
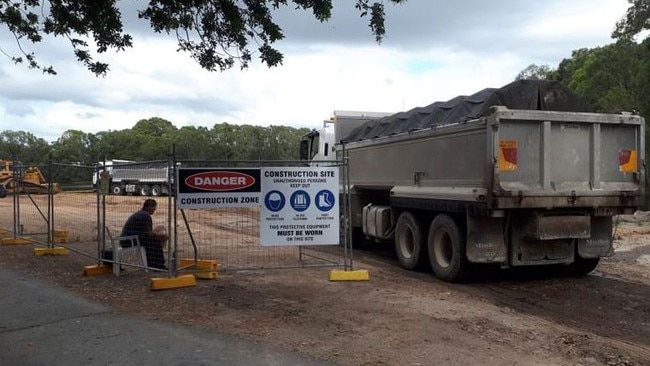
x=155 y=190
x=117 y=190
x=446 y=244
x=409 y=244
x=145 y=190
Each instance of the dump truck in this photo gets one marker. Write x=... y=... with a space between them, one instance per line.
x=106 y=166
x=522 y=175
x=15 y=177
x=136 y=178
x=318 y=146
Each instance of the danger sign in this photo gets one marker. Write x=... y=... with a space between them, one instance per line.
x=201 y=188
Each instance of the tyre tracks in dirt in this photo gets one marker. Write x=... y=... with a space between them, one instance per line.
x=600 y=311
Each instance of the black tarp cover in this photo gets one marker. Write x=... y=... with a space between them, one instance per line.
x=521 y=94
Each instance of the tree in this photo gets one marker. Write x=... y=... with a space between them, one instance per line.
x=569 y=66
x=154 y=126
x=24 y=147
x=192 y=143
x=121 y=144
x=635 y=21
x=74 y=146
x=612 y=78
x=216 y=33
x=609 y=76
x=536 y=72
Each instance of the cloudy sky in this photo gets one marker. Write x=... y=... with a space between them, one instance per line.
x=433 y=50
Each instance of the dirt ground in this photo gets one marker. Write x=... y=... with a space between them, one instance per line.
x=401 y=317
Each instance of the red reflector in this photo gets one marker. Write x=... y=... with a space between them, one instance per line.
x=624 y=156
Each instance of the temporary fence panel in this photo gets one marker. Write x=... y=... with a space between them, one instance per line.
x=222 y=221
x=121 y=191
x=55 y=205
x=83 y=207
x=74 y=220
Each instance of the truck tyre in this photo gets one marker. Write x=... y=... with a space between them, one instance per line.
x=155 y=190
x=446 y=245
x=409 y=243
x=145 y=190
x=117 y=190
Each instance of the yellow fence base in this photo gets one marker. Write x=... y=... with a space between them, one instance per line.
x=3 y=232
x=60 y=236
x=207 y=275
x=97 y=270
x=15 y=241
x=51 y=251
x=162 y=283
x=201 y=264
x=356 y=275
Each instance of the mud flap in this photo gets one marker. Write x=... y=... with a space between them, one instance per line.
x=532 y=251
x=557 y=227
x=485 y=243
x=600 y=242
x=544 y=243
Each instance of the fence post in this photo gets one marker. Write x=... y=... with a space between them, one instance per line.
x=50 y=202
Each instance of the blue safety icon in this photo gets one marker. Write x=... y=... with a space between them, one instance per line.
x=274 y=201
x=325 y=200
x=300 y=200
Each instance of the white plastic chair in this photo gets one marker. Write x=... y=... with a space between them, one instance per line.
x=118 y=250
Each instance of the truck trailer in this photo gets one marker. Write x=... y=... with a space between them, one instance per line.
x=136 y=178
x=522 y=175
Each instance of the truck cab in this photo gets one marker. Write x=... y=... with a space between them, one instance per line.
x=108 y=167
x=318 y=146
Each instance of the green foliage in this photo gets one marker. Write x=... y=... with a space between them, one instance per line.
x=377 y=15
x=608 y=76
x=536 y=72
x=217 y=34
x=613 y=78
x=154 y=126
x=77 y=21
x=192 y=142
x=23 y=146
x=154 y=139
x=75 y=147
x=635 y=21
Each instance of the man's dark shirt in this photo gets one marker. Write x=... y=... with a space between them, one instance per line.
x=139 y=223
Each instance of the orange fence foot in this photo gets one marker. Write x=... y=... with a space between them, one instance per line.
x=201 y=264
x=51 y=251
x=97 y=270
x=173 y=282
x=15 y=241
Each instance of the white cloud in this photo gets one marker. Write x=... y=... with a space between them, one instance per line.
x=433 y=51
x=586 y=22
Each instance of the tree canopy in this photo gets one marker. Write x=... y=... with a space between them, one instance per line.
x=216 y=33
x=635 y=20
x=153 y=139
x=613 y=78
x=535 y=72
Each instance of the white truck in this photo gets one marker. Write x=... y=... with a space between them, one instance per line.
x=107 y=166
x=138 y=178
x=522 y=175
x=320 y=145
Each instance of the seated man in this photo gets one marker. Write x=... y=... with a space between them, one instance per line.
x=141 y=224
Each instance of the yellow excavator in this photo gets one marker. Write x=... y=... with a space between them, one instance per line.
x=24 y=179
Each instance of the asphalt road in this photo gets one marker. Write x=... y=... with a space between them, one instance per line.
x=41 y=324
